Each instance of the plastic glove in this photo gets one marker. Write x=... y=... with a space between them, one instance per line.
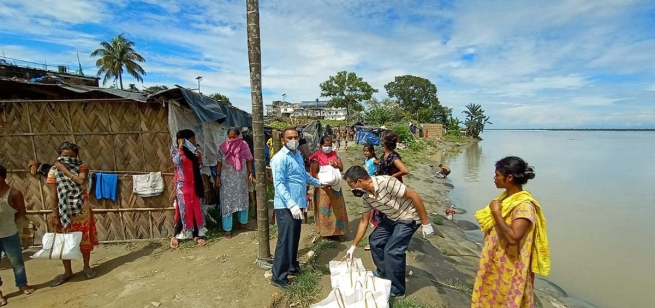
x=350 y=253
x=427 y=231
x=296 y=212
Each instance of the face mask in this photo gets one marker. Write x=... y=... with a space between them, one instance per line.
x=327 y=150
x=358 y=192
x=292 y=145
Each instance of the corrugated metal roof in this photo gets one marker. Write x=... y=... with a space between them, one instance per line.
x=79 y=89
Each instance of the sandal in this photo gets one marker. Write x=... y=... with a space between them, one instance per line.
x=244 y=227
x=3 y=301
x=90 y=273
x=175 y=243
x=26 y=289
x=228 y=234
x=60 y=279
x=200 y=241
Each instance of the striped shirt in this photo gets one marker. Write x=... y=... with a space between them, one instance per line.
x=389 y=199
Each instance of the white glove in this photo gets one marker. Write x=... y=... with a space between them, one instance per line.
x=427 y=231
x=296 y=212
x=350 y=253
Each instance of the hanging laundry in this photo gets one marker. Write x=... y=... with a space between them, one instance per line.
x=148 y=185
x=106 y=186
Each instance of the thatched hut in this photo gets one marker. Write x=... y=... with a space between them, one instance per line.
x=119 y=132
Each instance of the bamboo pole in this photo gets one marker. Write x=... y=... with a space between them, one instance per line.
x=29 y=122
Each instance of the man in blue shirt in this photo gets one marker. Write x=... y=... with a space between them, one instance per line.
x=290 y=181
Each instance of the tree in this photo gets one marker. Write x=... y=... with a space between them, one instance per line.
x=453 y=126
x=117 y=57
x=346 y=90
x=418 y=96
x=255 y=63
x=155 y=89
x=221 y=98
x=132 y=87
x=475 y=120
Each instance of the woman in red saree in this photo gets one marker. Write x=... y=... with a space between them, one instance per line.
x=330 y=212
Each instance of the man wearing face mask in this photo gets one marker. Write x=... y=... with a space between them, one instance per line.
x=290 y=181
x=404 y=211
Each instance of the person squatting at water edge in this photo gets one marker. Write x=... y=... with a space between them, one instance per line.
x=290 y=179
x=515 y=245
x=403 y=211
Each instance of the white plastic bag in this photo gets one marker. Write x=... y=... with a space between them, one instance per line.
x=60 y=246
x=330 y=176
x=358 y=299
x=334 y=300
x=343 y=266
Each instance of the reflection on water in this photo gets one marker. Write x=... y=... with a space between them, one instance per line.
x=597 y=192
x=474 y=157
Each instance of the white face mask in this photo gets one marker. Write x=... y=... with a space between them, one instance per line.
x=292 y=145
x=327 y=150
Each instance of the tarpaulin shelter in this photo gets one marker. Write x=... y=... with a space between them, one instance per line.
x=367 y=135
x=119 y=132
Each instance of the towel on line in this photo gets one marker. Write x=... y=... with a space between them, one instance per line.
x=148 y=185
x=106 y=186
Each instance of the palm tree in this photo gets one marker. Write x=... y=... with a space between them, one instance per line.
x=116 y=57
x=255 y=61
x=475 y=120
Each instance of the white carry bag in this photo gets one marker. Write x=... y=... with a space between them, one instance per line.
x=346 y=280
x=359 y=299
x=60 y=246
x=334 y=300
x=344 y=266
x=377 y=288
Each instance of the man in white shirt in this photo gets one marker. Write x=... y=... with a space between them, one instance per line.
x=404 y=213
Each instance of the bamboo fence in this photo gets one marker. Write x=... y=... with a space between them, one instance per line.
x=122 y=137
x=433 y=131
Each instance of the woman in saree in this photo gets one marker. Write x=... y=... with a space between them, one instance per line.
x=515 y=244
x=233 y=174
x=189 y=190
x=71 y=212
x=329 y=207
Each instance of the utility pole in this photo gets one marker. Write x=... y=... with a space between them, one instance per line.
x=199 y=78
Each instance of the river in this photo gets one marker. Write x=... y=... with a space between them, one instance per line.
x=597 y=190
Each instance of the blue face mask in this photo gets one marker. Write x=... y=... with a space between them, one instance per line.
x=327 y=150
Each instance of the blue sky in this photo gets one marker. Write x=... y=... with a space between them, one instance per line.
x=530 y=64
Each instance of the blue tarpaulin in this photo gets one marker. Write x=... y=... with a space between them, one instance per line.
x=367 y=137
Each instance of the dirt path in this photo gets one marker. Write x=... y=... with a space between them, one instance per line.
x=222 y=274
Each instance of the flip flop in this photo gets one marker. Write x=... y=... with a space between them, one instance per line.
x=175 y=243
x=228 y=234
x=90 y=273
x=244 y=227
x=3 y=301
x=60 y=279
x=26 y=289
x=200 y=241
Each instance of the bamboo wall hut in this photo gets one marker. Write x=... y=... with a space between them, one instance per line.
x=119 y=132
x=433 y=131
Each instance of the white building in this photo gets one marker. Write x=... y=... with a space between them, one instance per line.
x=306 y=109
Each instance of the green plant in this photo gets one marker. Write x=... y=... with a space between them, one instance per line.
x=404 y=134
x=304 y=289
x=438 y=220
x=322 y=245
x=363 y=243
x=460 y=286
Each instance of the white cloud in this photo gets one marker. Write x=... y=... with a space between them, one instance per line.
x=530 y=58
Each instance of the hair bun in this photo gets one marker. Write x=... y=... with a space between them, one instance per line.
x=529 y=173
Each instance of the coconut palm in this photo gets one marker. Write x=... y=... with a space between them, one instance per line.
x=117 y=57
x=475 y=120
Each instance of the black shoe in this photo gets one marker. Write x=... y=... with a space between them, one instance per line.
x=283 y=286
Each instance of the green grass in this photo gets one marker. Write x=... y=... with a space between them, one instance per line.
x=460 y=286
x=363 y=242
x=322 y=245
x=452 y=138
x=408 y=302
x=304 y=289
x=438 y=220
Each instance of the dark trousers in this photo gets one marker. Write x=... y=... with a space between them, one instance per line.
x=389 y=243
x=286 y=249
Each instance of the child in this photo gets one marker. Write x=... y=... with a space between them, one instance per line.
x=371 y=166
x=444 y=171
x=371 y=160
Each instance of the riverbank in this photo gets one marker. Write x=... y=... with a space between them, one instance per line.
x=442 y=269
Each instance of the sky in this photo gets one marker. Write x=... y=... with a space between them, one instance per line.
x=530 y=64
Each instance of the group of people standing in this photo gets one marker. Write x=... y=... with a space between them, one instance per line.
x=515 y=246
